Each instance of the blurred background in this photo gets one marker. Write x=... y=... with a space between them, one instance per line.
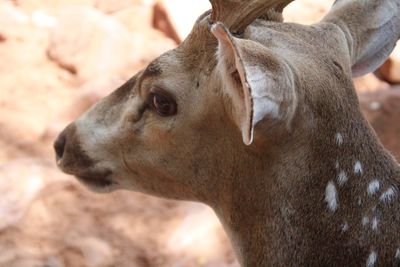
x=57 y=58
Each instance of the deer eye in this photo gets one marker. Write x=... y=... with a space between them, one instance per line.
x=163 y=104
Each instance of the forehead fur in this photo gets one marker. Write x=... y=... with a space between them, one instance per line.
x=153 y=69
x=187 y=65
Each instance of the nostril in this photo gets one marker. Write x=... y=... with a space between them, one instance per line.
x=59 y=146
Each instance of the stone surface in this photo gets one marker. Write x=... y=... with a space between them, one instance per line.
x=138 y=18
x=31 y=85
x=96 y=252
x=369 y=83
x=390 y=70
x=21 y=182
x=307 y=11
x=12 y=19
x=382 y=109
x=32 y=5
x=111 y=6
x=198 y=231
x=89 y=93
x=177 y=17
x=91 y=44
x=11 y=16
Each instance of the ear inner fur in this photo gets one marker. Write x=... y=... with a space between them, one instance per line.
x=246 y=123
x=266 y=82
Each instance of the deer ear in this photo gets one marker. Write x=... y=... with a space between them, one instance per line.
x=259 y=84
x=371 y=28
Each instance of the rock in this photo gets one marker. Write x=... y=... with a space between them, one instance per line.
x=32 y=5
x=96 y=252
x=89 y=93
x=307 y=11
x=382 y=109
x=53 y=261
x=390 y=70
x=18 y=188
x=91 y=44
x=198 y=233
x=369 y=83
x=163 y=23
x=7 y=254
x=10 y=15
x=27 y=263
x=138 y=18
x=168 y=16
x=111 y=6
x=152 y=44
x=21 y=182
x=41 y=18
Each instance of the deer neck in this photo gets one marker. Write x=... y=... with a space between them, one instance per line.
x=328 y=183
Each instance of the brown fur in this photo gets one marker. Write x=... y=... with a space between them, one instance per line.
x=270 y=195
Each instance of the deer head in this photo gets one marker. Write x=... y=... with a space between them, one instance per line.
x=167 y=125
x=248 y=115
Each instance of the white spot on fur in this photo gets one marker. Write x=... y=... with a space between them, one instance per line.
x=373 y=208
x=397 y=256
x=373 y=187
x=342 y=178
x=359 y=201
x=365 y=221
x=339 y=139
x=358 y=168
x=337 y=165
x=372 y=259
x=388 y=195
x=331 y=197
x=374 y=224
x=345 y=227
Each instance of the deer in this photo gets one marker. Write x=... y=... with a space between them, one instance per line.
x=259 y=119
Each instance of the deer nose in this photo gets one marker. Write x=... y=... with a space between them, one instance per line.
x=70 y=157
x=59 y=145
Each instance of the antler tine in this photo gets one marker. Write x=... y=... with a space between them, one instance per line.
x=238 y=14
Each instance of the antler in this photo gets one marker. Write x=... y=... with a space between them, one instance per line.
x=238 y=14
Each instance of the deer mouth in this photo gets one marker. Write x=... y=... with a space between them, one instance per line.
x=96 y=179
x=90 y=177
